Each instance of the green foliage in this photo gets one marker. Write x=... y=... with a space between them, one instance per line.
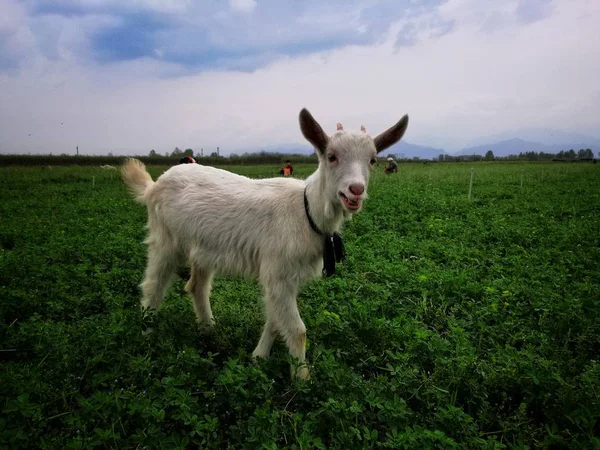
x=453 y=323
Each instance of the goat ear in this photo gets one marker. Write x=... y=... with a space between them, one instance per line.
x=392 y=135
x=312 y=131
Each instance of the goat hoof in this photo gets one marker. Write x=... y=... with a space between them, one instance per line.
x=256 y=354
x=206 y=326
x=302 y=373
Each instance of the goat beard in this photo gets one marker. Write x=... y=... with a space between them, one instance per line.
x=332 y=210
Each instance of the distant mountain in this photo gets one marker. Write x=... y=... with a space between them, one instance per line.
x=405 y=149
x=504 y=147
x=543 y=136
x=516 y=146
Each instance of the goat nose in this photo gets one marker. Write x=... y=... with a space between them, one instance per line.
x=357 y=188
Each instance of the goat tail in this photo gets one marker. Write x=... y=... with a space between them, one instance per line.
x=137 y=178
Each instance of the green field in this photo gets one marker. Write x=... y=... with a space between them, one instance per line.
x=453 y=322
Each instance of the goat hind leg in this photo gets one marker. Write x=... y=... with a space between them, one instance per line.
x=263 y=349
x=159 y=275
x=199 y=287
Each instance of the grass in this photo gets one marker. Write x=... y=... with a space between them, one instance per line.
x=453 y=323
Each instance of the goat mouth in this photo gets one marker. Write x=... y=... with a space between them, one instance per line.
x=352 y=205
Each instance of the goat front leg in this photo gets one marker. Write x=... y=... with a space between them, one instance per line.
x=284 y=317
x=293 y=331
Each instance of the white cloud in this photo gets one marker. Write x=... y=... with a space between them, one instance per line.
x=243 y=6
x=67 y=39
x=467 y=83
x=12 y=15
x=16 y=39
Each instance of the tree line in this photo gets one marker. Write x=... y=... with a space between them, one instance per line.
x=564 y=155
x=262 y=158
x=154 y=158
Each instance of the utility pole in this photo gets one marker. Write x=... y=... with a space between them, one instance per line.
x=77 y=148
x=202 y=152
x=217 y=152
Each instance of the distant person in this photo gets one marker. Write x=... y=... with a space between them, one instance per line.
x=288 y=170
x=392 y=167
x=187 y=160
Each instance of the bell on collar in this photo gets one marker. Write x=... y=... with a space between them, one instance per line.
x=333 y=252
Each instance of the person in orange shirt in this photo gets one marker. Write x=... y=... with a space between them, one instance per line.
x=288 y=170
x=187 y=160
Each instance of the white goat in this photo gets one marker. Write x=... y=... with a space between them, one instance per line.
x=108 y=167
x=222 y=223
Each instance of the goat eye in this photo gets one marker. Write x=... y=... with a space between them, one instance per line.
x=332 y=158
x=373 y=161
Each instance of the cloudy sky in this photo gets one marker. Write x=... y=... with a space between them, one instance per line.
x=130 y=75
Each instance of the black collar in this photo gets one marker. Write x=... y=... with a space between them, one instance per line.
x=312 y=223
x=333 y=249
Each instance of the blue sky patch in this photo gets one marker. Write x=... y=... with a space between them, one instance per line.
x=136 y=37
x=214 y=34
x=221 y=35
